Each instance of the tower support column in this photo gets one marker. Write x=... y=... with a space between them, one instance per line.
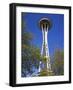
x=45 y=25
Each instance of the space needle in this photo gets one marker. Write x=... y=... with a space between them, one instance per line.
x=45 y=25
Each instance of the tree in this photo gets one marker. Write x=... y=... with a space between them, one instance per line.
x=58 y=64
x=30 y=53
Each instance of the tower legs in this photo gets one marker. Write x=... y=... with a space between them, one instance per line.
x=44 y=65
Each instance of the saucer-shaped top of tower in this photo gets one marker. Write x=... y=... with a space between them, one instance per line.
x=45 y=24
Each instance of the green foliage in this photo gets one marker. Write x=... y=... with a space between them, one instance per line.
x=46 y=73
x=30 y=53
x=26 y=38
x=30 y=58
x=58 y=64
x=44 y=59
